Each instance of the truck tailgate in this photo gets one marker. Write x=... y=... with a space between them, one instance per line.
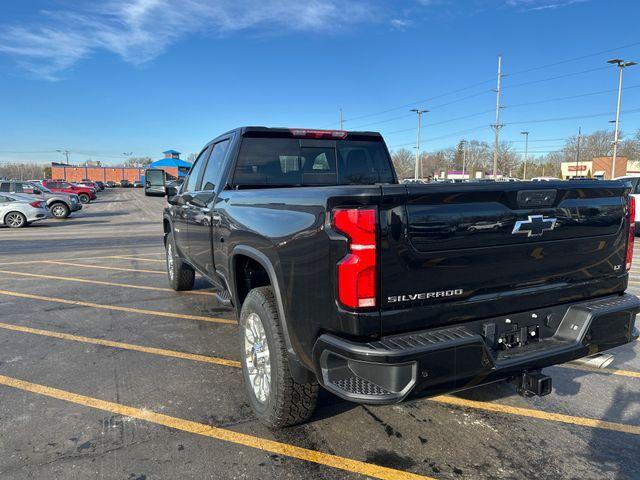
x=456 y=252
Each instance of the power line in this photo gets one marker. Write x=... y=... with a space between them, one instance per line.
x=556 y=77
x=569 y=97
x=574 y=59
x=576 y=117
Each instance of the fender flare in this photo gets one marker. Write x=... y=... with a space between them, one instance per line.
x=299 y=372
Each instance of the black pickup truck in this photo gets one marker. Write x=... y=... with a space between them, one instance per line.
x=380 y=291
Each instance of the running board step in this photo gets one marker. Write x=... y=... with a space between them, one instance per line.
x=224 y=297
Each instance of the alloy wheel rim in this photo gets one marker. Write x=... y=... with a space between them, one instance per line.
x=256 y=357
x=15 y=219
x=57 y=211
x=170 y=264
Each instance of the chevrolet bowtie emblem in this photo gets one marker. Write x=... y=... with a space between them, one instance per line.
x=535 y=226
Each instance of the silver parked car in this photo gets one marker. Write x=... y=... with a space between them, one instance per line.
x=60 y=204
x=18 y=210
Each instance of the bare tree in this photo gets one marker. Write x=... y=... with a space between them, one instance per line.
x=21 y=171
x=137 y=161
x=404 y=163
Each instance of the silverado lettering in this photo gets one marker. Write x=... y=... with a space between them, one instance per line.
x=424 y=296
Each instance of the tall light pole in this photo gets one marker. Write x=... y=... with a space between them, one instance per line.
x=621 y=66
x=526 y=151
x=341 y=120
x=497 y=125
x=419 y=113
x=578 y=150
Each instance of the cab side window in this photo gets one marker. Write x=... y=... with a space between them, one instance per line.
x=4 y=187
x=213 y=172
x=636 y=189
x=191 y=184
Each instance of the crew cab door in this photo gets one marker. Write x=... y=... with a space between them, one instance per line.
x=182 y=210
x=200 y=218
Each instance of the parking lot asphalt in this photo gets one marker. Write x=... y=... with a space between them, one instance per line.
x=107 y=373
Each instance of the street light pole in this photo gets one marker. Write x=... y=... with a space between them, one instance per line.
x=419 y=113
x=526 y=151
x=621 y=66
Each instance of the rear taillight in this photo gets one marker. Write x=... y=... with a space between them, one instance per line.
x=632 y=231
x=36 y=204
x=357 y=271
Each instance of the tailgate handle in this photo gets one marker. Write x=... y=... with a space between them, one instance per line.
x=536 y=198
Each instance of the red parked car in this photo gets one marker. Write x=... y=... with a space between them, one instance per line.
x=85 y=194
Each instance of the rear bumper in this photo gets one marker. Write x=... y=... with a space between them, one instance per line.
x=431 y=362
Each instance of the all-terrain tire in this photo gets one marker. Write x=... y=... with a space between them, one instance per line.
x=288 y=402
x=181 y=276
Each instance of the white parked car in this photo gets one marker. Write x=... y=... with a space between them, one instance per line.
x=544 y=179
x=635 y=193
x=18 y=210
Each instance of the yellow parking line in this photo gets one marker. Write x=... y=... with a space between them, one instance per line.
x=125 y=346
x=539 y=414
x=444 y=399
x=118 y=308
x=102 y=257
x=272 y=446
x=110 y=284
x=122 y=257
x=84 y=265
x=609 y=371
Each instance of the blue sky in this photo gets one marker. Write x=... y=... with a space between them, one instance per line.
x=141 y=76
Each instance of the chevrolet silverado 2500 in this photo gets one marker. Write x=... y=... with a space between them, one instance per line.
x=378 y=291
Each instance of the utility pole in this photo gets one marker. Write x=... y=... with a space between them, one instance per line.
x=65 y=153
x=497 y=125
x=419 y=113
x=578 y=149
x=526 y=151
x=341 y=120
x=464 y=157
x=621 y=66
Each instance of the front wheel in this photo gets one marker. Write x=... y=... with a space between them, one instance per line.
x=15 y=220
x=275 y=397
x=84 y=198
x=181 y=276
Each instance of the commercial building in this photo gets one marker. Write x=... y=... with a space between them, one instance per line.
x=172 y=164
x=76 y=173
x=599 y=167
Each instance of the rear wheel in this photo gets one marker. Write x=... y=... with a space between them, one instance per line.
x=84 y=198
x=59 y=210
x=181 y=276
x=276 y=398
x=15 y=220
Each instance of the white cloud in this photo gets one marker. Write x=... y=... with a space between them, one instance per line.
x=542 y=4
x=140 y=30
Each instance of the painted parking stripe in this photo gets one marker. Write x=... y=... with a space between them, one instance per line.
x=444 y=399
x=27 y=262
x=100 y=282
x=237 y=438
x=118 y=308
x=139 y=259
x=538 y=414
x=102 y=267
x=609 y=371
x=124 y=346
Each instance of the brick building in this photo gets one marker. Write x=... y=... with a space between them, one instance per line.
x=597 y=167
x=75 y=173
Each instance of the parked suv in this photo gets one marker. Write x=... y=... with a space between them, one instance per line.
x=381 y=292
x=85 y=194
x=60 y=204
